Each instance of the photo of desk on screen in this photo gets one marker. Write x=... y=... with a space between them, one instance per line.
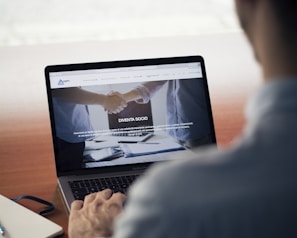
x=136 y=131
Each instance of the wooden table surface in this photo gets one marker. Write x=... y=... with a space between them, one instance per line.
x=27 y=164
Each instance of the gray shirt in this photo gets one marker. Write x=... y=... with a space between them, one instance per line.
x=247 y=191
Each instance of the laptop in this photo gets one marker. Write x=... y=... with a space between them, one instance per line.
x=91 y=105
x=19 y=221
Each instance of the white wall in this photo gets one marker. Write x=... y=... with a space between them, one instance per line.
x=52 y=21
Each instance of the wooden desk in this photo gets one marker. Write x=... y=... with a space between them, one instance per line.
x=27 y=165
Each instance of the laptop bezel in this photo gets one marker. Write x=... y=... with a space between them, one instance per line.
x=114 y=64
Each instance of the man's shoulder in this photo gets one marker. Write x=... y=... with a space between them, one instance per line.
x=195 y=175
x=225 y=185
x=210 y=172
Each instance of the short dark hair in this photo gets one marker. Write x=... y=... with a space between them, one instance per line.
x=286 y=11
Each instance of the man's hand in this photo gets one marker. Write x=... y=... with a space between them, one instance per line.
x=114 y=102
x=95 y=216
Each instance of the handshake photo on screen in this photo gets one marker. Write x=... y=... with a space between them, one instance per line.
x=123 y=123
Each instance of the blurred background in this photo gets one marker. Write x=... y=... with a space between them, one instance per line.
x=30 y=22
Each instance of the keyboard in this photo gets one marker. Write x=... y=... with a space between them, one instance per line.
x=132 y=134
x=81 y=188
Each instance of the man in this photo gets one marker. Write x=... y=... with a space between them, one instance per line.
x=183 y=98
x=249 y=190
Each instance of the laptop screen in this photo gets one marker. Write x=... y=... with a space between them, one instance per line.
x=127 y=112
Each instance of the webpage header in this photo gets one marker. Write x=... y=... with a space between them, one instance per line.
x=90 y=77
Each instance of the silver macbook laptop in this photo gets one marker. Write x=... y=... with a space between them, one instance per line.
x=96 y=109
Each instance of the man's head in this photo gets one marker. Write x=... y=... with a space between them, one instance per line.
x=271 y=27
